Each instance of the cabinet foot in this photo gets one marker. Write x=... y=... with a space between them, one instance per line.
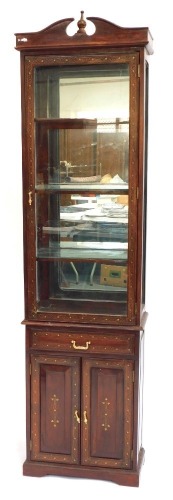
x=118 y=476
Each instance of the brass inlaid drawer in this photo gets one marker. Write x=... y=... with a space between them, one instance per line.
x=120 y=343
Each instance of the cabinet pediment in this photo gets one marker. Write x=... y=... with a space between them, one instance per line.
x=106 y=34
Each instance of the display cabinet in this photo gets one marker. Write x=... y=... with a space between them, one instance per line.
x=84 y=143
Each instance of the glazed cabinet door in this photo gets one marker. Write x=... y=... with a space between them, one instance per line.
x=81 y=181
x=55 y=390
x=107 y=413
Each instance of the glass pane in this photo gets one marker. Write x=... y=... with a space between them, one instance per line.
x=82 y=92
x=95 y=97
x=82 y=245
x=82 y=152
x=82 y=171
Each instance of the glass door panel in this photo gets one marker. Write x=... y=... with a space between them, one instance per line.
x=83 y=240
x=81 y=152
x=82 y=92
x=81 y=191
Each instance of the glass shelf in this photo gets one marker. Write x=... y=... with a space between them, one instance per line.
x=53 y=186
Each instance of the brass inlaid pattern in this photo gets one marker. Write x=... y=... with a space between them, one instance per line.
x=128 y=412
x=134 y=82
x=29 y=138
x=49 y=60
x=54 y=420
x=88 y=318
x=106 y=405
x=76 y=427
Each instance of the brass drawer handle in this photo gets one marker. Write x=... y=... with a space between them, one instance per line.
x=77 y=416
x=84 y=348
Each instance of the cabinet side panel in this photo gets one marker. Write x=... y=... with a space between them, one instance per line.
x=141 y=382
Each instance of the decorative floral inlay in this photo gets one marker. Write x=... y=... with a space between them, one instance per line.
x=54 y=420
x=106 y=405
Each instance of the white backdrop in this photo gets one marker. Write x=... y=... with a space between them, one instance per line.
x=158 y=418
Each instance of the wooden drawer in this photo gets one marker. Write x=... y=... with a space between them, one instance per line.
x=120 y=343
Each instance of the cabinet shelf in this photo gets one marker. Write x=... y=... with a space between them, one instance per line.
x=80 y=187
x=83 y=249
x=78 y=122
x=83 y=255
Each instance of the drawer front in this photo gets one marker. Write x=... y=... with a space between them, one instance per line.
x=120 y=343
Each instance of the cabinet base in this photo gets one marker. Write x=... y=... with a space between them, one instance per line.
x=121 y=477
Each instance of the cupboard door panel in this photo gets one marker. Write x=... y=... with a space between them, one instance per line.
x=55 y=393
x=55 y=418
x=107 y=387
x=108 y=404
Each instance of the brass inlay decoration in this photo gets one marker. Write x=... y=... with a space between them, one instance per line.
x=54 y=420
x=106 y=405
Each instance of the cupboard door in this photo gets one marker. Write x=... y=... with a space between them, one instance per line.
x=107 y=413
x=55 y=391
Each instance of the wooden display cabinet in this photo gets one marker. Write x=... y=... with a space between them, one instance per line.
x=84 y=143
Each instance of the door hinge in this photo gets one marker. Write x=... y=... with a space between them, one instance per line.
x=131 y=455
x=30 y=445
x=135 y=308
x=137 y=192
x=139 y=71
x=133 y=376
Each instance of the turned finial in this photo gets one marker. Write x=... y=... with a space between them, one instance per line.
x=81 y=23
